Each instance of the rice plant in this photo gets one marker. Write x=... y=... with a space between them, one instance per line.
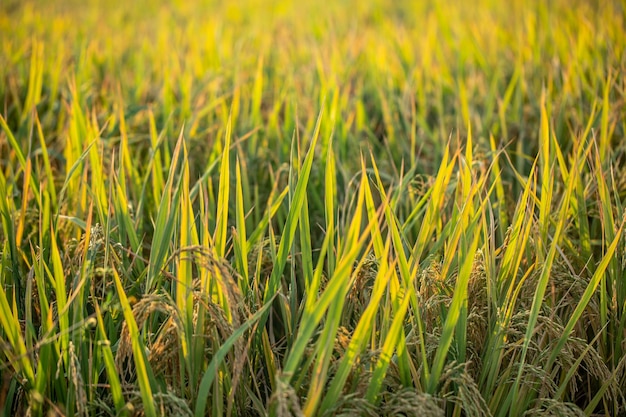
x=281 y=208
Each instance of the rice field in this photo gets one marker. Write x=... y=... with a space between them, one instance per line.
x=290 y=208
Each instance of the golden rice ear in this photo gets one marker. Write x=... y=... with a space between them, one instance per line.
x=166 y=404
x=353 y=405
x=478 y=314
x=460 y=388
x=284 y=402
x=411 y=403
x=166 y=341
x=546 y=407
x=591 y=371
x=163 y=347
x=360 y=291
x=76 y=379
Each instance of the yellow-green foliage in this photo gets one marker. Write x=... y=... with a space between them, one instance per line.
x=294 y=208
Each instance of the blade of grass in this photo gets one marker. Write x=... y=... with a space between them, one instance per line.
x=109 y=365
x=145 y=376
x=164 y=223
x=288 y=235
x=540 y=290
x=212 y=370
x=361 y=333
x=221 y=226
x=390 y=344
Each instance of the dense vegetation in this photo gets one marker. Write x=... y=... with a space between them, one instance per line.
x=286 y=208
